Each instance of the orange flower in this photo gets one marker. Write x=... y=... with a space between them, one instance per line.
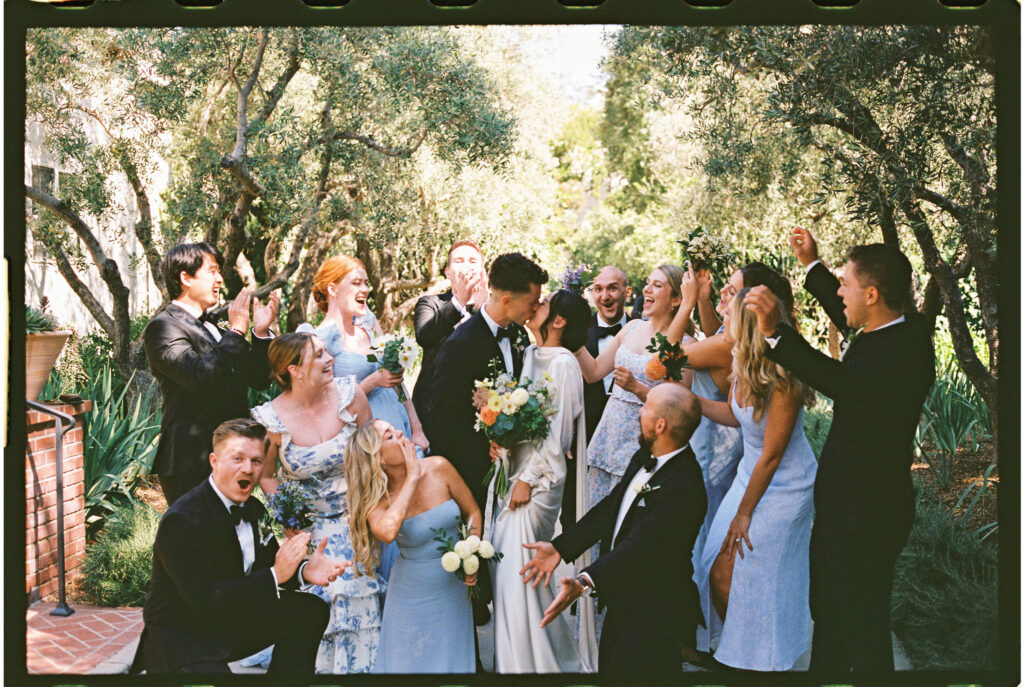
x=488 y=415
x=655 y=369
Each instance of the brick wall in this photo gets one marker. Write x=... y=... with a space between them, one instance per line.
x=41 y=500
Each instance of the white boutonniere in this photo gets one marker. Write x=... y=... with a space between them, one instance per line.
x=645 y=488
x=266 y=528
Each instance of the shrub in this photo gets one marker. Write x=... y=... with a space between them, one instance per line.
x=945 y=601
x=120 y=444
x=817 y=422
x=119 y=563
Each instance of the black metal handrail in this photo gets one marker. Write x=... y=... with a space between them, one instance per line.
x=62 y=608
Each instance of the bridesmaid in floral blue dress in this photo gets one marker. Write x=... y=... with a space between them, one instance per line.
x=349 y=328
x=393 y=496
x=308 y=426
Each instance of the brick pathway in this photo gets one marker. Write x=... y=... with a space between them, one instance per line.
x=80 y=643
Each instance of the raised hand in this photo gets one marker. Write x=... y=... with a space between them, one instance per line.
x=704 y=284
x=462 y=286
x=479 y=286
x=413 y=468
x=542 y=564
x=763 y=303
x=570 y=591
x=690 y=286
x=265 y=315
x=289 y=556
x=238 y=311
x=322 y=570
x=804 y=246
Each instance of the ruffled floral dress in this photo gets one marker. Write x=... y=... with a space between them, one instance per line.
x=350 y=643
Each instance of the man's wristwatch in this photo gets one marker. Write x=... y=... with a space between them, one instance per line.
x=588 y=588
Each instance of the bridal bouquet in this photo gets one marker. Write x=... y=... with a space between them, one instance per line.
x=575 y=278
x=396 y=354
x=463 y=557
x=510 y=412
x=704 y=250
x=668 y=362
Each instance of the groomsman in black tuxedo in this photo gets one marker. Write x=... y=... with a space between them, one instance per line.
x=493 y=333
x=437 y=315
x=647 y=526
x=863 y=496
x=203 y=370
x=609 y=292
x=220 y=591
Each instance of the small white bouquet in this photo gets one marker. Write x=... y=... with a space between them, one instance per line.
x=705 y=250
x=396 y=354
x=463 y=557
x=510 y=412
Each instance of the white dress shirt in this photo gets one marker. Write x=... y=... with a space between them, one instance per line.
x=463 y=310
x=505 y=344
x=639 y=479
x=603 y=343
x=210 y=326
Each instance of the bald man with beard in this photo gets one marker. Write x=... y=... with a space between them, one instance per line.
x=647 y=526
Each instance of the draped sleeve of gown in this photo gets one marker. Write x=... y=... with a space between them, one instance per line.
x=350 y=643
x=521 y=646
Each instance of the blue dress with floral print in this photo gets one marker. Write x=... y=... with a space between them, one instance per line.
x=350 y=643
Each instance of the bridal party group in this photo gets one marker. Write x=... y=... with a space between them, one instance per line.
x=615 y=489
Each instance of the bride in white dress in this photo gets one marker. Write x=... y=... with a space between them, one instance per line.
x=529 y=510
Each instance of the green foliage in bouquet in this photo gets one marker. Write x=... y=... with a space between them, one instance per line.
x=669 y=360
x=705 y=250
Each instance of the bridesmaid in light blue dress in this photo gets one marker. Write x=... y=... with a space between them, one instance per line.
x=759 y=598
x=349 y=329
x=315 y=404
x=427 y=626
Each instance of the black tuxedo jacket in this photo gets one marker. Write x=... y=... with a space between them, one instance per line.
x=463 y=358
x=200 y=599
x=203 y=383
x=646 y=579
x=594 y=396
x=863 y=489
x=434 y=320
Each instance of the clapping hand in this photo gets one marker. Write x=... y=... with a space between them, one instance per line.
x=462 y=285
x=265 y=315
x=288 y=557
x=570 y=591
x=320 y=569
x=542 y=564
x=763 y=303
x=238 y=311
x=804 y=246
x=479 y=288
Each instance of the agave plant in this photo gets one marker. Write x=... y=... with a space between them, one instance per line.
x=38 y=320
x=120 y=444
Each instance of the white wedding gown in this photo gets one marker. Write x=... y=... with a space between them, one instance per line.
x=520 y=645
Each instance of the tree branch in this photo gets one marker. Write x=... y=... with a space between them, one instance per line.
x=82 y=290
x=369 y=142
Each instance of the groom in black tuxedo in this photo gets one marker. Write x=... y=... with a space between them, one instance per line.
x=647 y=526
x=204 y=371
x=495 y=334
x=863 y=496
x=437 y=315
x=221 y=592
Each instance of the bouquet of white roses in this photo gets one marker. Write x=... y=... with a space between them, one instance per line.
x=510 y=412
x=463 y=557
x=705 y=250
x=396 y=354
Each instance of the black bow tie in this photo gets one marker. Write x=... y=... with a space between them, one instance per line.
x=608 y=331
x=206 y=317
x=650 y=464
x=246 y=512
x=504 y=333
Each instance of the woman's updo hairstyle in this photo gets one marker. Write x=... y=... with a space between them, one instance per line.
x=287 y=349
x=332 y=271
x=576 y=312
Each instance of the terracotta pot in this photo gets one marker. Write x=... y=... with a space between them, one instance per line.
x=41 y=353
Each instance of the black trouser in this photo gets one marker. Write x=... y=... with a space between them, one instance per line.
x=850 y=595
x=294 y=624
x=176 y=486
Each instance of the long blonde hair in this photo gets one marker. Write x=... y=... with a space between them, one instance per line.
x=751 y=368
x=367 y=485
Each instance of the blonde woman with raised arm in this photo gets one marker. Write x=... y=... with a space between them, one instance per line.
x=427 y=625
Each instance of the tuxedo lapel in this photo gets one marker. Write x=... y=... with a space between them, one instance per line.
x=663 y=474
x=223 y=529
x=202 y=338
x=591 y=344
x=489 y=345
